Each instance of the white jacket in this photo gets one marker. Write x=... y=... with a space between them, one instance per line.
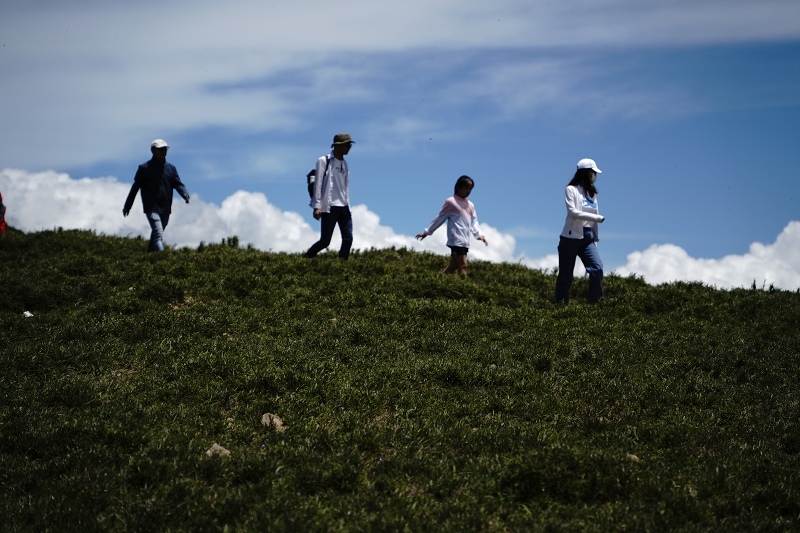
x=462 y=219
x=325 y=182
x=582 y=212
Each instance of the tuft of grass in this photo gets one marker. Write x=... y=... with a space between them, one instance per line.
x=412 y=400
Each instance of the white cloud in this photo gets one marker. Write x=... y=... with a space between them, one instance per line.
x=47 y=200
x=776 y=264
x=550 y=262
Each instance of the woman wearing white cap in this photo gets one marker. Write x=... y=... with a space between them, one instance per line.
x=580 y=233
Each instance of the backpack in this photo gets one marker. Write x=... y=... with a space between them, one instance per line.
x=311 y=177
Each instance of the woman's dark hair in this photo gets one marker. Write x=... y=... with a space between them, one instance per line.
x=583 y=177
x=463 y=181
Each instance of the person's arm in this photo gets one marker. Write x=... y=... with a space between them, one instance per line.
x=181 y=188
x=178 y=185
x=434 y=224
x=322 y=170
x=475 y=227
x=572 y=198
x=126 y=209
x=476 y=232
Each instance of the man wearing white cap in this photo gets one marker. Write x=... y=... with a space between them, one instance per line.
x=156 y=179
x=581 y=233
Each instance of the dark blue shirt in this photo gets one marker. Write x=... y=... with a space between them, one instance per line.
x=157 y=182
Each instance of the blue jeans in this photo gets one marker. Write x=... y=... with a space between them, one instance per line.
x=158 y=223
x=586 y=249
x=342 y=217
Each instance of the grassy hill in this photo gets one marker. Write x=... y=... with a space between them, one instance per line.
x=411 y=400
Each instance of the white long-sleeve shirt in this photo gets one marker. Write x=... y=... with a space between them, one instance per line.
x=582 y=212
x=332 y=184
x=462 y=219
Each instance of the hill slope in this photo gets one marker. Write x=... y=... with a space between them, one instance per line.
x=410 y=399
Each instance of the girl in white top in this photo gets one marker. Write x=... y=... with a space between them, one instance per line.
x=462 y=219
x=581 y=233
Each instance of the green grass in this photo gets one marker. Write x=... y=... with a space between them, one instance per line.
x=413 y=401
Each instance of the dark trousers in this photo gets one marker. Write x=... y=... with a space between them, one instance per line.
x=342 y=217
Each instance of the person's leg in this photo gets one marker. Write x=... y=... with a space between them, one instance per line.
x=567 y=251
x=594 y=267
x=345 y=221
x=457 y=260
x=462 y=265
x=452 y=266
x=327 y=224
x=156 y=243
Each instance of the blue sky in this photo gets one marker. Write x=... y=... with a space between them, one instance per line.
x=690 y=108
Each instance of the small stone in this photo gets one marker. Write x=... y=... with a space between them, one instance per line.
x=216 y=449
x=270 y=420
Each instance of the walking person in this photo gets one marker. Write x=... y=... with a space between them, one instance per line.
x=580 y=234
x=2 y=217
x=156 y=179
x=462 y=219
x=331 y=201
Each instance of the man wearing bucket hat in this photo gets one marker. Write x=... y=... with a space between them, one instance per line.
x=156 y=179
x=331 y=201
x=581 y=233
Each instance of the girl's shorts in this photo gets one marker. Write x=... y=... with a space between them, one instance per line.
x=458 y=250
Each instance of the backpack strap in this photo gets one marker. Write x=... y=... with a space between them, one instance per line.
x=325 y=174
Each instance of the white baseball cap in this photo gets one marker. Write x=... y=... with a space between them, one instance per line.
x=589 y=163
x=159 y=143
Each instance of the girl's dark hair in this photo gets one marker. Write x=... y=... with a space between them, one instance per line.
x=462 y=181
x=583 y=177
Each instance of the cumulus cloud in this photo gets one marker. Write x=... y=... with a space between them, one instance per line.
x=776 y=264
x=549 y=263
x=47 y=200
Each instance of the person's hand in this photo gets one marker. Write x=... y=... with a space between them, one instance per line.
x=602 y=220
x=421 y=236
x=187 y=198
x=125 y=212
x=483 y=238
x=317 y=214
